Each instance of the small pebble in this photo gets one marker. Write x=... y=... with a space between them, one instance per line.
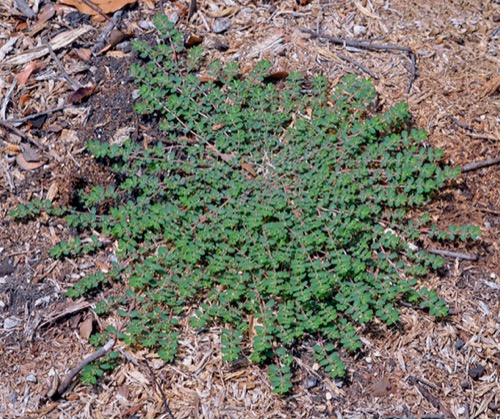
x=310 y=383
x=459 y=344
x=461 y=410
x=359 y=30
x=476 y=372
x=221 y=25
x=145 y=25
x=43 y=300
x=31 y=378
x=328 y=395
x=368 y=360
x=465 y=384
x=11 y=323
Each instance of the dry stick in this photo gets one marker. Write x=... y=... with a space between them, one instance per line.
x=36 y=115
x=162 y=7
x=13 y=129
x=451 y=254
x=164 y=398
x=23 y=6
x=99 y=45
x=370 y=46
x=480 y=164
x=73 y=83
x=75 y=371
x=456 y=121
x=3 y=111
x=482 y=136
x=360 y=66
x=96 y=9
x=192 y=10
x=413 y=71
x=138 y=365
x=427 y=383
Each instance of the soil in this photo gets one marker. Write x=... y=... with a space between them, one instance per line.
x=442 y=369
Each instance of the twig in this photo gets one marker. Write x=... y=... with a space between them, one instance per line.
x=480 y=164
x=75 y=371
x=465 y=256
x=130 y=359
x=482 y=136
x=192 y=9
x=23 y=6
x=20 y=134
x=489 y=211
x=370 y=46
x=59 y=65
x=413 y=71
x=360 y=66
x=5 y=103
x=96 y=9
x=427 y=383
x=5 y=124
x=165 y=402
x=456 y=121
x=99 y=45
x=36 y=115
x=467 y=411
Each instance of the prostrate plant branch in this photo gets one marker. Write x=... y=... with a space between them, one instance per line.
x=75 y=371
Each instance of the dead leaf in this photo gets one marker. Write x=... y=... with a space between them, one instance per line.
x=276 y=76
x=205 y=78
x=84 y=53
x=23 y=99
x=86 y=328
x=106 y=6
x=115 y=38
x=24 y=75
x=248 y=167
x=217 y=127
x=81 y=93
x=26 y=165
x=44 y=16
x=227 y=157
x=381 y=388
x=29 y=153
x=193 y=40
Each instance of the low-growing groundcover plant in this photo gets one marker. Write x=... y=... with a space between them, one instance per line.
x=277 y=210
